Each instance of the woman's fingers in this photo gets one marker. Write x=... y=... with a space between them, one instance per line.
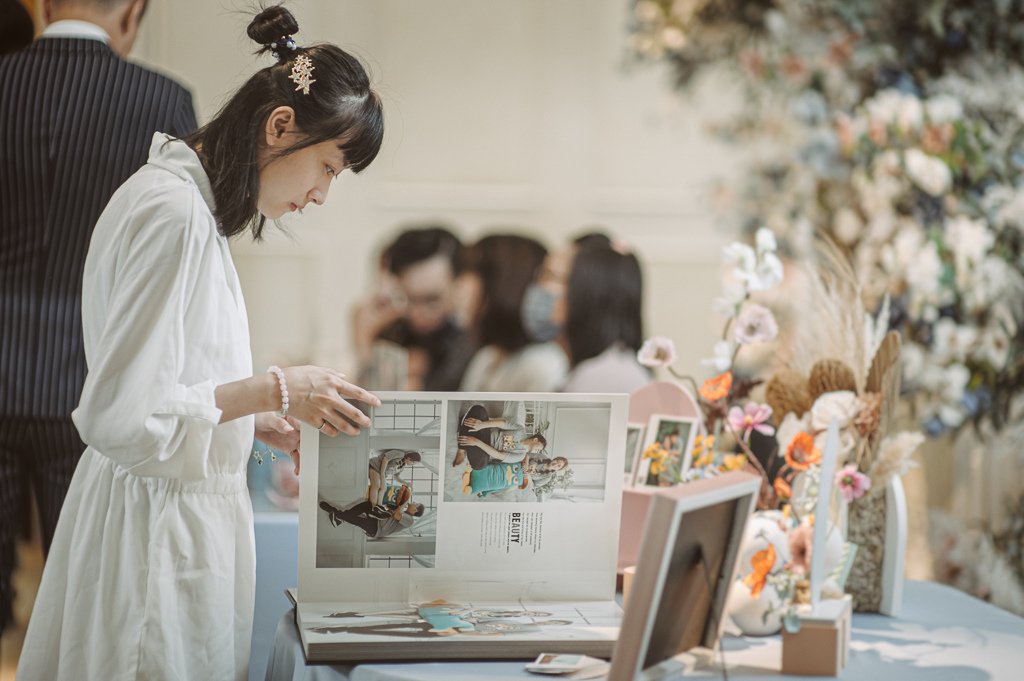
x=354 y=392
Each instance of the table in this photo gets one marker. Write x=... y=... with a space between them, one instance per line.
x=942 y=634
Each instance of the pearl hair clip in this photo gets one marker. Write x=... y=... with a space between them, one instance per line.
x=302 y=73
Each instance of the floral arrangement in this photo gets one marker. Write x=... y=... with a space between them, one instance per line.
x=895 y=136
x=780 y=436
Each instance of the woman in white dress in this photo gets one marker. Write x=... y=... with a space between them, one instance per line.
x=152 y=570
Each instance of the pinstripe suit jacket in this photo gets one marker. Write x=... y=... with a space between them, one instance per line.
x=75 y=122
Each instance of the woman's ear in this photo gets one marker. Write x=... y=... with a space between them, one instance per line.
x=280 y=124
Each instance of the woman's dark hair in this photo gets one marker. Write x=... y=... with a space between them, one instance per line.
x=419 y=513
x=603 y=302
x=413 y=455
x=539 y=438
x=507 y=264
x=340 y=106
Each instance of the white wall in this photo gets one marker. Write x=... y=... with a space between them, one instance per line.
x=499 y=114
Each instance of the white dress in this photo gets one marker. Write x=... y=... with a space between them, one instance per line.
x=151 y=573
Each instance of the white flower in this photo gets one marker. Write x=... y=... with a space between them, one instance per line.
x=673 y=38
x=910 y=114
x=924 y=273
x=884 y=106
x=755 y=324
x=741 y=256
x=955 y=382
x=994 y=279
x=952 y=416
x=648 y=11
x=722 y=360
x=847 y=226
x=951 y=342
x=912 y=360
x=943 y=109
x=728 y=303
x=767 y=275
x=765 y=240
x=994 y=346
x=969 y=240
x=657 y=351
x=931 y=174
x=842 y=405
x=758 y=271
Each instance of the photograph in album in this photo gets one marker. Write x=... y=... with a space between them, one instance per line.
x=396 y=562
x=378 y=491
x=526 y=451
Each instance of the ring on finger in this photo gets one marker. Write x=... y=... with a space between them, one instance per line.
x=322 y=426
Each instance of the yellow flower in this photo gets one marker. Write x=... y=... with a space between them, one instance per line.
x=655 y=451
x=733 y=462
x=703 y=450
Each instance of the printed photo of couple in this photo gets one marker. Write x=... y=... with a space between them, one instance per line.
x=526 y=451
x=378 y=491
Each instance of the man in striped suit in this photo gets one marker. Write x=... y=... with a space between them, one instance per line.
x=76 y=120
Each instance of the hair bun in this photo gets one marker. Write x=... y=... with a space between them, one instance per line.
x=271 y=27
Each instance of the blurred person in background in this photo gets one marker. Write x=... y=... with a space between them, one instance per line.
x=414 y=309
x=589 y=298
x=508 y=359
x=76 y=121
x=16 y=27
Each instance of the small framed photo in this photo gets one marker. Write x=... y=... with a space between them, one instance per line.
x=676 y=435
x=634 y=450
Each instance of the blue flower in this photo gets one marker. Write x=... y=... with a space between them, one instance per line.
x=934 y=427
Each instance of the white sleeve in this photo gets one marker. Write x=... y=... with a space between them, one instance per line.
x=135 y=408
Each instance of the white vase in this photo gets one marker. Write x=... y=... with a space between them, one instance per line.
x=759 y=616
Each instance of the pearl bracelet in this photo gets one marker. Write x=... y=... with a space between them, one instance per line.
x=276 y=370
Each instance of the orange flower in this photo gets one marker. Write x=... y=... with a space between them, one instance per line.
x=783 y=489
x=762 y=562
x=801 y=453
x=716 y=388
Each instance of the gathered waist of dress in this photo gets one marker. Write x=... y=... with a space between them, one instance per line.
x=157 y=477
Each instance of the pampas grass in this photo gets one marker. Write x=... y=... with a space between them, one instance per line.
x=830 y=313
x=895 y=457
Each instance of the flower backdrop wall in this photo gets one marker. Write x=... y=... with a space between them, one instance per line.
x=896 y=128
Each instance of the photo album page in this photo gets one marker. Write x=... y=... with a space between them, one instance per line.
x=465 y=515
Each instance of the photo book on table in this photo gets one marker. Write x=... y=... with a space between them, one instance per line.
x=463 y=526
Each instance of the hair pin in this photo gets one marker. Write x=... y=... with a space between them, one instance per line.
x=302 y=73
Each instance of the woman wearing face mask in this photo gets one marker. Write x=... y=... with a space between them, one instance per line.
x=507 y=361
x=590 y=299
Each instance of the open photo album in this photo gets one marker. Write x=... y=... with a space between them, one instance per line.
x=463 y=526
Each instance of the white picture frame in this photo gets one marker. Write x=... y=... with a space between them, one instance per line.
x=634 y=451
x=658 y=426
x=689 y=528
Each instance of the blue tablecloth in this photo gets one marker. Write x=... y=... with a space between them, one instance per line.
x=942 y=634
x=277 y=551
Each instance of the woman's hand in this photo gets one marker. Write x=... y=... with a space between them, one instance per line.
x=475 y=424
x=317 y=395
x=280 y=433
x=470 y=441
